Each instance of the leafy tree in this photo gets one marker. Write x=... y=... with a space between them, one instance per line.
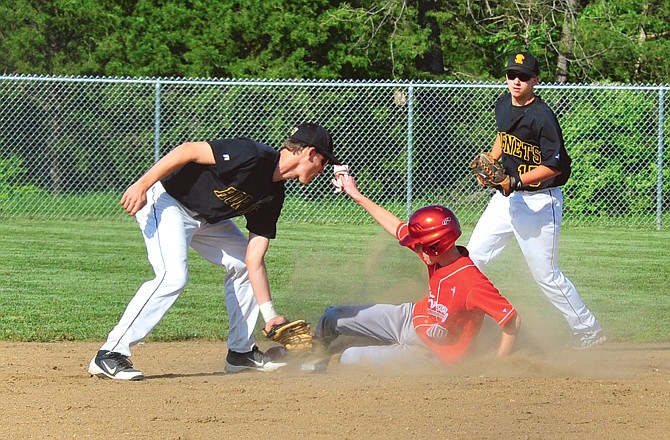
x=58 y=37
x=624 y=41
x=575 y=40
x=266 y=39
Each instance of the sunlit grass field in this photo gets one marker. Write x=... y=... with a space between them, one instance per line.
x=71 y=280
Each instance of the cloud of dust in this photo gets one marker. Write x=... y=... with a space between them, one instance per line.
x=384 y=272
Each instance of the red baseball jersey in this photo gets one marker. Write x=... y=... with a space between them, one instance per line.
x=450 y=317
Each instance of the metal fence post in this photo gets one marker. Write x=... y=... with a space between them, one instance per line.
x=410 y=112
x=157 y=122
x=659 y=183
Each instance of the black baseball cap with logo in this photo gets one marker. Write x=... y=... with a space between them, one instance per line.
x=316 y=136
x=523 y=62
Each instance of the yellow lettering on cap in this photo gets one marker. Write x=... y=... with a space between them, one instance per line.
x=519 y=58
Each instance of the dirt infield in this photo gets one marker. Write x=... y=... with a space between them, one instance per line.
x=618 y=391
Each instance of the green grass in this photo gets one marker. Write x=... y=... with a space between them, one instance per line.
x=71 y=280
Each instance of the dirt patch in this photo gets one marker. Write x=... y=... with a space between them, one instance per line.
x=618 y=391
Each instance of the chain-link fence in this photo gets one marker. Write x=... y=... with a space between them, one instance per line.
x=70 y=146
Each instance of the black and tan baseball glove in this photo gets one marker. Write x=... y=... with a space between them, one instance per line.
x=490 y=173
x=294 y=335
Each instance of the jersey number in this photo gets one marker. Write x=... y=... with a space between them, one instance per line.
x=524 y=168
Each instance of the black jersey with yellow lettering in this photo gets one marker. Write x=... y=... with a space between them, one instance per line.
x=238 y=184
x=531 y=136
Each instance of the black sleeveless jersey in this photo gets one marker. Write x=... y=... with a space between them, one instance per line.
x=531 y=136
x=238 y=184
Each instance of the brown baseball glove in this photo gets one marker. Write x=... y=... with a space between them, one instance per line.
x=294 y=335
x=489 y=172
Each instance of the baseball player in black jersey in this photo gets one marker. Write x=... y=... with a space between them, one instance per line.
x=530 y=143
x=188 y=198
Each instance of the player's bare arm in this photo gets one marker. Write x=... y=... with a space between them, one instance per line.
x=258 y=275
x=135 y=196
x=509 y=335
x=538 y=175
x=496 y=150
x=384 y=217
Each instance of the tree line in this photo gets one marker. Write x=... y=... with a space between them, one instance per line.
x=576 y=41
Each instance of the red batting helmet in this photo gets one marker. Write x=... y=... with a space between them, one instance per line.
x=435 y=227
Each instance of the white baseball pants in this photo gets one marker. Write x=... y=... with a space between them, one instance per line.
x=169 y=229
x=534 y=219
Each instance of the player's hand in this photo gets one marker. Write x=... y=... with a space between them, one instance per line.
x=349 y=187
x=274 y=321
x=345 y=182
x=341 y=173
x=134 y=198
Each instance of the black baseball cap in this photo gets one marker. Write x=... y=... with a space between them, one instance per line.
x=315 y=136
x=523 y=62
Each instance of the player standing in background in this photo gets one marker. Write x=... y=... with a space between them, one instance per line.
x=530 y=143
x=188 y=198
x=447 y=320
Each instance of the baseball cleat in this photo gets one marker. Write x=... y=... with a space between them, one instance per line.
x=112 y=365
x=251 y=360
x=587 y=340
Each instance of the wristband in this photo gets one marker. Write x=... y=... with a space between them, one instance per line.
x=268 y=311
